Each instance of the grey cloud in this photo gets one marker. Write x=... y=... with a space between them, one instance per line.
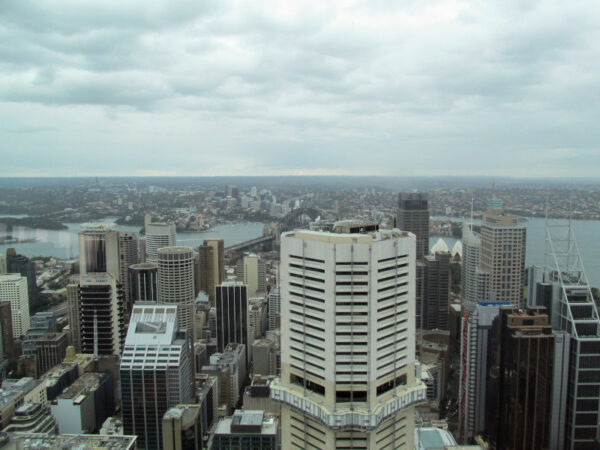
x=440 y=86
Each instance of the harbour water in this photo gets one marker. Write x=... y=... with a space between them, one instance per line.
x=63 y=243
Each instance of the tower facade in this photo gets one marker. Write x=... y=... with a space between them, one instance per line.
x=475 y=360
x=176 y=282
x=502 y=257
x=521 y=380
x=101 y=314
x=471 y=244
x=13 y=289
x=143 y=282
x=251 y=271
x=158 y=235
x=16 y=263
x=232 y=315
x=99 y=251
x=211 y=265
x=348 y=347
x=567 y=296
x=436 y=291
x=413 y=216
x=155 y=371
x=73 y=315
x=128 y=256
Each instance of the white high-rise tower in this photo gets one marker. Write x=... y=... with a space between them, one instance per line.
x=158 y=235
x=13 y=289
x=176 y=282
x=348 y=347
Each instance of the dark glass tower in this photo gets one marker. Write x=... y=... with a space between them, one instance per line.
x=232 y=315
x=21 y=264
x=413 y=216
x=142 y=282
x=520 y=380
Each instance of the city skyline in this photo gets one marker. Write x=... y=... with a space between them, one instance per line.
x=348 y=88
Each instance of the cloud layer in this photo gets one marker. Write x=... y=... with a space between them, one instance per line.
x=234 y=87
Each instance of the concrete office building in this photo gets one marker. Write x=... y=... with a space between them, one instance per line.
x=234 y=358
x=32 y=418
x=182 y=428
x=176 y=283
x=83 y=407
x=274 y=308
x=264 y=357
x=155 y=371
x=71 y=441
x=143 y=282
x=502 y=257
x=13 y=289
x=246 y=429
x=348 y=352
x=101 y=314
x=158 y=235
x=251 y=271
x=520 y=380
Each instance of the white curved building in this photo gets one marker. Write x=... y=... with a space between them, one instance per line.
x=348 y=347
x=439 y=246
x=457 y=249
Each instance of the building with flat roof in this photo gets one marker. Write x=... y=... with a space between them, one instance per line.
x=348 y=373
x=84 y=406
x=155 y=372
x=143 y=282
x=63 y=441
x=13 y=288
x=176 y=283
x=232 y=315
x=32 y=418
x=502 y=257
x=182 y=428
x=158 y=235
x=429 y=438
x=246 y=429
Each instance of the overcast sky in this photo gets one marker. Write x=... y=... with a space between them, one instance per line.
x=132 y=87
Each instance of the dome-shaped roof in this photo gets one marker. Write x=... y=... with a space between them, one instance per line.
x=457 y=249
x=440 y=246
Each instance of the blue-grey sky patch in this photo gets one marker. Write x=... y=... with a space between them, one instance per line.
x=264 y=87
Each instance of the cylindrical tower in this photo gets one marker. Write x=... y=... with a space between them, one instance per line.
x=176 y=282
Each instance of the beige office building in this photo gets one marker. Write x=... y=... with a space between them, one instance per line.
x=502 y=257
x=348 y=348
